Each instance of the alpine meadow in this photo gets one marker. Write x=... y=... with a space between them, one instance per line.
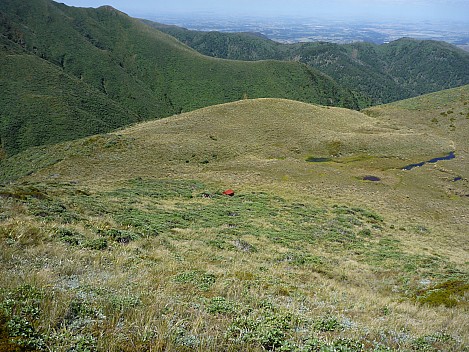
x=171 y=190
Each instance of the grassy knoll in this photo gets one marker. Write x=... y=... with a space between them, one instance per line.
x=124 y=241
x=248 y=135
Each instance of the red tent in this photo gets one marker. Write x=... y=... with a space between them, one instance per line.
x=229 y=192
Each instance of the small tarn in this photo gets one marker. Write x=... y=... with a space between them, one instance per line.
x=318 y=160
x=371 y=178
x=449 y=156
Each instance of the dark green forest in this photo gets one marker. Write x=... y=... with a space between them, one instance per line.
x=376 y=74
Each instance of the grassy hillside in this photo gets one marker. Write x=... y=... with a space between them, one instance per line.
x=376 y=73
x=124 y=241
x=103 y=69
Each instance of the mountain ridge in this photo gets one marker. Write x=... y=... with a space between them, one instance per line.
x=147 y=73
x=376 y=73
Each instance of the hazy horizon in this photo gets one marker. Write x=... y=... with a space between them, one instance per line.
x=375 y=10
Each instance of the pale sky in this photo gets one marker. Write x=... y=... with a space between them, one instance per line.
x=450 y=10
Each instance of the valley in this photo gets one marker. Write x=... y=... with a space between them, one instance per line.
x=376 y=74
x=295 y=29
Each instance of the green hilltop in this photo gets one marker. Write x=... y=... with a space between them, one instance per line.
x=70 y=72
x=242 y=133
x=124 y=241
x=377 y=74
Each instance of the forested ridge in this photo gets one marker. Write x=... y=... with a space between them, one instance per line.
x=377 y=74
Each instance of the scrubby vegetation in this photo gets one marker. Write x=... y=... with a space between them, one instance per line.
x=125 y=241
x=156 y=264
x=70 y=72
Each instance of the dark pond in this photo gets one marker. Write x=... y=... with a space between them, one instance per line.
x=446 y=157
x=371 y=178
x=459 y=178
x=411 y=166
x=434 y=160
x=318 y=160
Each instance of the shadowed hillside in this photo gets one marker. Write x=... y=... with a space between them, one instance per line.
x=102 y=69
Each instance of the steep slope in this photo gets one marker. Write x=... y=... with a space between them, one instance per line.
x=327 y=243
x=423 y=66
x=41 y=104
x=234 y=46
x=390 y=72
x=146 y=73
x=376 y=73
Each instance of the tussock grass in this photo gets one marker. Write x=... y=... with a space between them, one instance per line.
x=253 y=271
x=244 y=135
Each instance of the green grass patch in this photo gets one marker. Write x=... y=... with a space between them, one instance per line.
x=20 y=310
x=449 y=294
x=201 y=280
